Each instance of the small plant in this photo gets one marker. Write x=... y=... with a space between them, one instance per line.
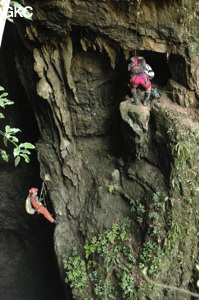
x=112 y=188
x=184 y=146
x=107 y=270
x=104 y=153
x=151 y=255
x=20 y=150
x=139 y=210
x=75 y=271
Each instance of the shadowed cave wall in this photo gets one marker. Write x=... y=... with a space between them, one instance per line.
x=28 y=261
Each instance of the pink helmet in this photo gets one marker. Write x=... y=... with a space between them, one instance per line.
x=33 y=190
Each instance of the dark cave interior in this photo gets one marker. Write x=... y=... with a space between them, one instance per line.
x=32 y=272
x=158 y=62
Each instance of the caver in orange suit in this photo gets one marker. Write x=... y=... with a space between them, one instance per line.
x=38 y=207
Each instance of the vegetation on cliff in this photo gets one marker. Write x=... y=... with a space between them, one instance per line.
x=111 y=263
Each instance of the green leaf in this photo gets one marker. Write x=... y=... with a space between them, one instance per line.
x=2 y=104
x=7 y=136
x=26 y=157
x=10 y=19
x=123 y=235
x=4 y=155
x=16 y=151
x=8 y=102
x=27 y=146
x=16 y=4
x=4 y=95
x=17 y=160
x=197 y=283
x=8 y=129
x=2 y=88
x=28 y=18
x=5 y=140
x=24 y=151
x=112 y=237
x=1 y=116
x=14 y=139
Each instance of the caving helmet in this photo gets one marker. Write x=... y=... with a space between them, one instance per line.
x=33 y=190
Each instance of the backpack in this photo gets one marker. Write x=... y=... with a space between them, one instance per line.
x=137 y=65
x=28 y=207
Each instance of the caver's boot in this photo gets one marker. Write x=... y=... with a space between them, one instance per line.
x=135 y=97
x=146 y=97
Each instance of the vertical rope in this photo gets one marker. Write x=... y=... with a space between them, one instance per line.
x=136 y=25
x=43 y=195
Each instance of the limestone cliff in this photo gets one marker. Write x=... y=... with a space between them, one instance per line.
x=72 y=61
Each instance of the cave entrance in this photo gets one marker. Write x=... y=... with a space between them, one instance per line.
x=158 y=62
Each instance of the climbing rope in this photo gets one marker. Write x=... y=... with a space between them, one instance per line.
x=136 y=25
x=43 y=195
x=177 y=93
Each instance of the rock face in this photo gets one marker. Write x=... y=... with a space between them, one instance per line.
x=72 y=61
